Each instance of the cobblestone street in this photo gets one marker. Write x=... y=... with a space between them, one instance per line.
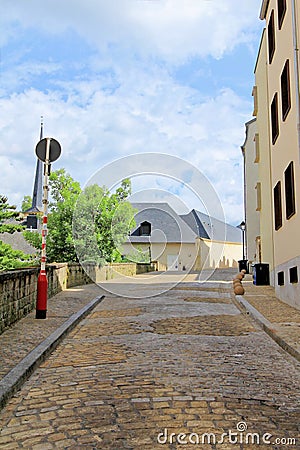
x=136 y=370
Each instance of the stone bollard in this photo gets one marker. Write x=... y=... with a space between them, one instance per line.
x=239 y=290
x=237 y=283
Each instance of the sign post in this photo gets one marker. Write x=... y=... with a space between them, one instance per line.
x=47 y=150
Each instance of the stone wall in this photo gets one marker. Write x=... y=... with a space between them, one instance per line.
x=145 y=268
x=18 y=288
x=76 y=276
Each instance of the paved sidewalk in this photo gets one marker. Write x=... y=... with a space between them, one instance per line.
x=29 y=341
x=278 y=319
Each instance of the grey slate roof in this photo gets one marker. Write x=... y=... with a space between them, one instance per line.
x=166 y=224
x=18 y=242
x=210 y=228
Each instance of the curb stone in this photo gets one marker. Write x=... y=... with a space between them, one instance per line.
x=267 y=326
x=14 y=379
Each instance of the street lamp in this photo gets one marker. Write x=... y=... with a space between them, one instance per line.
x=243 y=228
x=243 y=263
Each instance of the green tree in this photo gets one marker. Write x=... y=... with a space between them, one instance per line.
x=8 y=215
x=139 y=255
x=10 y=258
x=102 y=222
x=34 y=238
x=64 y=193
x=26 y=203
x=13 y=259
x=84 y=229
x=114 y=221
x=89 y=225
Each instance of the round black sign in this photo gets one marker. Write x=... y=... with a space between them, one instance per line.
x=54 y=151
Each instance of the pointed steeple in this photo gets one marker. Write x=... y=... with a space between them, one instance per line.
x=37 y=196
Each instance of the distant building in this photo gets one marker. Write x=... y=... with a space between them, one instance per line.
x=37 y=196
x=188 y=242
x=252 y=193
x=30 y=216
x=277 y=147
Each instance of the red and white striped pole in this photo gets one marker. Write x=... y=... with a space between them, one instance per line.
x=42 y=285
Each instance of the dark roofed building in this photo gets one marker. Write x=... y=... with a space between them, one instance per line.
x=37 y=195
x=161 y=218
x=208 y=227
x=192 y=241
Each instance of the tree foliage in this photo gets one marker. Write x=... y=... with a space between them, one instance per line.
x=34 y=238
x=84 y=229
x=13 y=259
x=8 y=215
x=114 y=220
x=102 y=222
x=26 y=203
x=86 y=226
x=64 y=193
x=10 y=258
x=139 y=255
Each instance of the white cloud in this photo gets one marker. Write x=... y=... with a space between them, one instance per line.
x=125 y=99
x=171 y=29
x=112 y=126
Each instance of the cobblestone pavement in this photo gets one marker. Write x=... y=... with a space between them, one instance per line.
x=23 y=336
x=284 y=318
x=158 y=372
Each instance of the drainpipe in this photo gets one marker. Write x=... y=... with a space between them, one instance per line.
x=296 y=64
x=245 y=198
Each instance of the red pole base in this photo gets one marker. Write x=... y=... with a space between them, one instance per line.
x=42 y=294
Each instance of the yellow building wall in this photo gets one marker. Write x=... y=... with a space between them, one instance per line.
x=187 y=253
x=203 y=254
x=286 y=240
x=252 y=214
x=217 y=254
x=264 y=163
x=286 y=148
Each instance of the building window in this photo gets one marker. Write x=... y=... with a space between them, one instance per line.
x=271 y=37
x=294 y=275
x=255 y=102
x=258 y=196
x=285 y=90
x=145 y=229
x=281 y=5
x=290 y=203
x=274 y=118
x=257 y=153
x=280 y=278
x=277 y=206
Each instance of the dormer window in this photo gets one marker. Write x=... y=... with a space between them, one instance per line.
x=145 y=229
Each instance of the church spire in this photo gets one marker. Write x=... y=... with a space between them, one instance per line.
x=37 y=196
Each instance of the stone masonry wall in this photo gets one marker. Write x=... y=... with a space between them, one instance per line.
x=18 y=288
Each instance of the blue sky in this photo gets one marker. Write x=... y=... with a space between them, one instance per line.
x=122 y=77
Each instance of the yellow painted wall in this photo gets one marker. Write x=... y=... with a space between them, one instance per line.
x=203 y=254
x=216 y=254
x=187 y=253
x=252 y=215
x=286 y=148
x=264 y=164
